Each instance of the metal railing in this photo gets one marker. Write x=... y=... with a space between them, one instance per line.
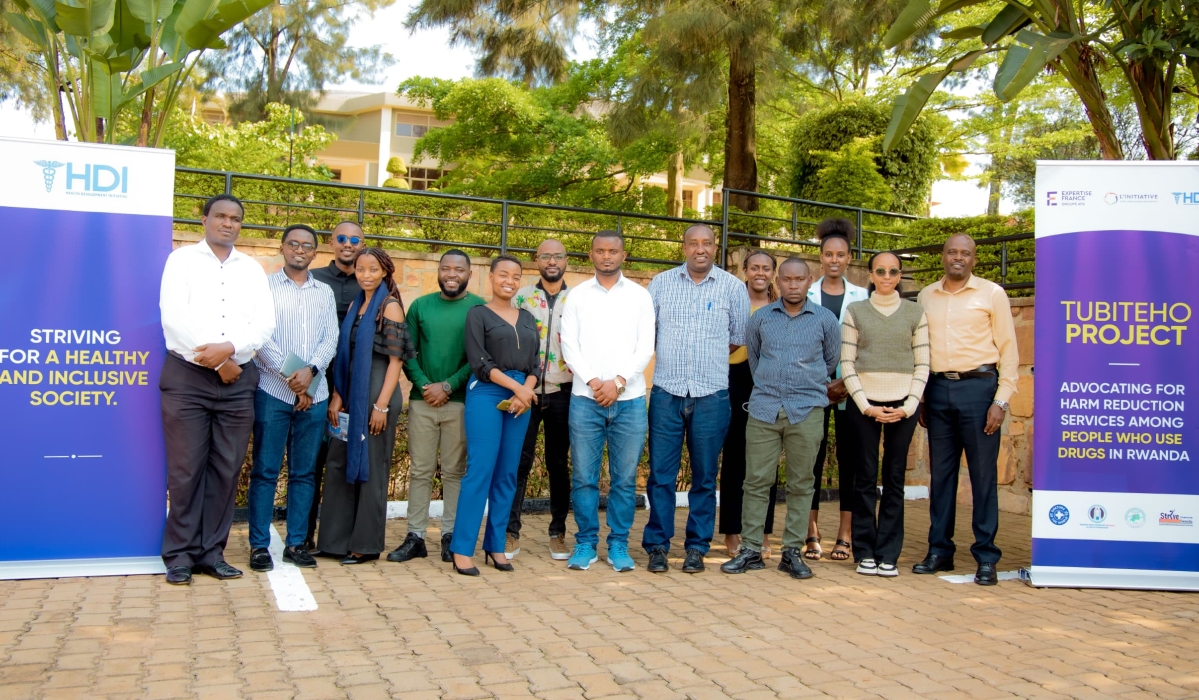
x=994 y=253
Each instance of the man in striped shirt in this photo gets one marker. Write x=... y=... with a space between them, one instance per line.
x=288 y=413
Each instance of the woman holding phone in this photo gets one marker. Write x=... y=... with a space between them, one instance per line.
x=502 y=345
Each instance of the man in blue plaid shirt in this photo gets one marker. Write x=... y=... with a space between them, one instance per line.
x=702 y=312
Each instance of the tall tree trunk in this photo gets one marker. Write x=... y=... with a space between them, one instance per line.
x=1080 y=73
x=143 y=129
x=1151 y=93
x=740 y=144
x=674 y=185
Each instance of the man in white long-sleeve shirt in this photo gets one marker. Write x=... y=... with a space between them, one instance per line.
x=217 y=310
x=607 y=341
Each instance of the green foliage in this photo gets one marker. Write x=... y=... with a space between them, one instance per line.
x=934 y=232
x=396 y=166
x=264 y=148
x=397 y=183
x=850 y=176
x=908 y=170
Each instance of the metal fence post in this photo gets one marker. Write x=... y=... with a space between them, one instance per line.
x=1003 y=263
x=724 y=231
x=361 y=207
x=504 y=228
x=859 y=213
x=228 y=183
x=794 y=221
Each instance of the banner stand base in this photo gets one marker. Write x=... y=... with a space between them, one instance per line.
x=1140 y=579
x=69 y=568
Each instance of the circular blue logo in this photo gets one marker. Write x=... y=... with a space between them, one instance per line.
x=1097 y=514
x=1059 y=514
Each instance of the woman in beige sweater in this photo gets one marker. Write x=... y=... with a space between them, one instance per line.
x=884 y=361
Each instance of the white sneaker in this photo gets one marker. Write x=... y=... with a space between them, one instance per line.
x=887 y=570
x=512 y=546
x=867 y=567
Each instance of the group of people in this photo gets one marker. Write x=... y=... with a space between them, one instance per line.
x=309 y=363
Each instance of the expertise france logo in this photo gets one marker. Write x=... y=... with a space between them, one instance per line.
x=87 y=179
x=1059 y=514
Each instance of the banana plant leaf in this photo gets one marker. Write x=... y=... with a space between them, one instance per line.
x=85 y=18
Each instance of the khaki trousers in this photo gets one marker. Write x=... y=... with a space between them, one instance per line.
x=764 y=443
x=429 y=430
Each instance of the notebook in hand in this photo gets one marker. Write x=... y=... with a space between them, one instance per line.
x=293 y=363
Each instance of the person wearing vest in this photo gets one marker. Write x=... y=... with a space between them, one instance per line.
x=884 y=360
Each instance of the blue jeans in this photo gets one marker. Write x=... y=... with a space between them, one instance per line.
x=493 y=442
x=278 y=425
x=701 y=422
x=622 y=427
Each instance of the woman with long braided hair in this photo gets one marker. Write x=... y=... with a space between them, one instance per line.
x=373 y=345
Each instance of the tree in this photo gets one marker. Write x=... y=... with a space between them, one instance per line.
x=397 y=169
x=289 y=53
x=273 y=146
x=850 y=176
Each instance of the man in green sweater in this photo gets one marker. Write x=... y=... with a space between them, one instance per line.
x=438 y=372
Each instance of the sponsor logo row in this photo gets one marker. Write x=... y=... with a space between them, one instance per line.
x=1096 y=517
x=1078 y=198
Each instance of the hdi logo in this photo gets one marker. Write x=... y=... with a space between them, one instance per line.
x=49 y=168
x=1190 y=198
x=94 y=178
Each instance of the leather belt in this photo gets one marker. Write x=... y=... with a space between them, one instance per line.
x=983 y=371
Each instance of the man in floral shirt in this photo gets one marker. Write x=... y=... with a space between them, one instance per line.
x=545 y=301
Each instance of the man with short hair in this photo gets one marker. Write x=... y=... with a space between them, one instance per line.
x=974 y=363
x=217 y=311
x=438 y=372
x=288 y=412
x=794 y=346
x=607 y=341
x=701 y=314
x=545 y=300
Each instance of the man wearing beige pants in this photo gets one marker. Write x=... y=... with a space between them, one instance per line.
x=437 y=323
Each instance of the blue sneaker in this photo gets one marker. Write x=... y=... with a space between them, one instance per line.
x=582 y=558
x=618 y=557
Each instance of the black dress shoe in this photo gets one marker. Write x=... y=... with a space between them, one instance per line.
x=793 y=564
x=299 y=556
x=693 y=563
x=350 y=559
x=933 y=563
x=260 y=559
x=986 y=575
x=179 y=575
x=412 y=547
x=220 y=570
x=446 y=555
x=746 y=560
x=657 y=561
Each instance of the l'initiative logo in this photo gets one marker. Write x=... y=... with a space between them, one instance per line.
x=87 y=180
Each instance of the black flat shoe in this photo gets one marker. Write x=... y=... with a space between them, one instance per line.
x=299 y=556
x=986 y=575
x=413 y=547
x=350 y=559
x=260 y=560
x=179 y=575
x=496 y=564
x=220 y=570
x=693 y=563
x=657 y=561
x=746 y=560
x=932 y=564
x=793 y=564
x=446 y=555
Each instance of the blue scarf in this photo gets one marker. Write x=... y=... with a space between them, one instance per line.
x=355 y=393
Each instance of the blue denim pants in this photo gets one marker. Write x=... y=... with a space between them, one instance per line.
x=278 y=425
x=702 y=423
x=493 y=442
x=622 y=427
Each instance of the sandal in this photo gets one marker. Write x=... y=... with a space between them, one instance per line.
x=841 y=554
x=765 y=551
x=812 y=550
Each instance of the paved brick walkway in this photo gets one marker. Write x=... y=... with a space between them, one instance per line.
x=419 y=631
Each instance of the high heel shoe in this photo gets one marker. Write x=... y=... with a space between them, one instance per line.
x=496 y=564
x=472 y=571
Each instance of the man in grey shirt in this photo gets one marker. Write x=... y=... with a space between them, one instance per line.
x=793 y=348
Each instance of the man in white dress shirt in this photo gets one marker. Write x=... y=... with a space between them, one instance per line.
x=217 y=310
x=607 y=341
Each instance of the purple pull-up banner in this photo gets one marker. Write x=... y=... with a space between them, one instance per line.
x=1116 y=483
x=87 y=230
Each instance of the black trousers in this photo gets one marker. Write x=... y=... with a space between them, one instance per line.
x=732 y=458
x=847 y=457
x=880 y=539
x=206 y=425
x=957 y=413
x=554 y=411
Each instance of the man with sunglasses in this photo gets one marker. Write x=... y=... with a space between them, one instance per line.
x=289 y=414
x=346 y=241
x=545 y=301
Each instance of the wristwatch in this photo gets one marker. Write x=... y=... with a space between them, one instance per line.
x=445 y=386
x=619 y=386
x=1001 y=404
x=315 y=372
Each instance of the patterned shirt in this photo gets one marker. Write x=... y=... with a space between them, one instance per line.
x=552 y=369
x=696 y=325
x=792 y=358
x=305 y=324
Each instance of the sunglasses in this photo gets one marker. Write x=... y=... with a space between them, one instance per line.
x=354 y=240
x=556 y=257
x=882 y=272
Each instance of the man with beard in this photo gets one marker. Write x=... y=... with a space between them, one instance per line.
x=545 y=301
x=438 y=372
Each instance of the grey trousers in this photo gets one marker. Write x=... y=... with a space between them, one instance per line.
x=430 y=430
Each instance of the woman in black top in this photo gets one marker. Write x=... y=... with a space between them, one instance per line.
x=501 y=345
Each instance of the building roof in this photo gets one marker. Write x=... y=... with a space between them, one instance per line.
x=353 y=103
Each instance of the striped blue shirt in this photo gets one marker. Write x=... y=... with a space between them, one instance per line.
x=791 y=358
x=696 y=325
x=305 y=324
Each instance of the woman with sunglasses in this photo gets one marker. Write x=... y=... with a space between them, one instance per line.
x=884 y=359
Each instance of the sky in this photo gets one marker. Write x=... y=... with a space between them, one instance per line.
x=427 y=53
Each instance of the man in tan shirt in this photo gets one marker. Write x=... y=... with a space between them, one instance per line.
x=973 y=359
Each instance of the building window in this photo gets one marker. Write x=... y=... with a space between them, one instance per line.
x=336 y=174
x=413 y=130
x=689 y=199
x=717 y=198
x=424 y=178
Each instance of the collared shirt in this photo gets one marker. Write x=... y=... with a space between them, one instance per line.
x=696 y=325
x=608 y=333
x=791 y=358
x=970 y=328
x=547 y=310
x=345 y=287
x=205 y=301
x=306 y=325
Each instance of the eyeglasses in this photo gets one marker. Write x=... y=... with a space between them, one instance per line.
x=354 y=240
x=296 y=245
x=556 y=257
x=893 y=272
